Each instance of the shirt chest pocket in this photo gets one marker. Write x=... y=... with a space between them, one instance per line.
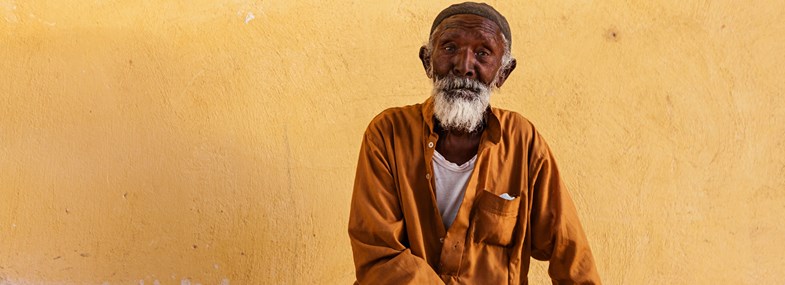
x=495 y=219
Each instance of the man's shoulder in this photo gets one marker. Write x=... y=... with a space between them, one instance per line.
x=395 y=116
x=512 y=121
x=518 y=128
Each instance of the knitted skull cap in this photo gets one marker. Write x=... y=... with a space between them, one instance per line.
x=479 y=9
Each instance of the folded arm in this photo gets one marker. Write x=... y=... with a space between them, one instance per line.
x=376 y=226
x=557 y=235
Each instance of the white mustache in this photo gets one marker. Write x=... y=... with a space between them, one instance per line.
x=452 y=84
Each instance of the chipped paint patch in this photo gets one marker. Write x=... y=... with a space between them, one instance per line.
x=248 y=17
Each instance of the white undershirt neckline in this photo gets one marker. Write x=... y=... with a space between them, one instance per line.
x=450 y=182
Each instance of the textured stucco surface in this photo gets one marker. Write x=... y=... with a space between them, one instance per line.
x=214 y=142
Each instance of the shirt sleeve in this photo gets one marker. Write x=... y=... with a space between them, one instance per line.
x=376 y=227
x=557 y=235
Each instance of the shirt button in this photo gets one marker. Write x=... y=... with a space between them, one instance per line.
x=430 y=144
x=428 y=176
x=441 y=240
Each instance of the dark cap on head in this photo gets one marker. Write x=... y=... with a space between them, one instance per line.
x=479 y=9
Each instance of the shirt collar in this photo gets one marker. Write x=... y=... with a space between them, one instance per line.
x=493 y=129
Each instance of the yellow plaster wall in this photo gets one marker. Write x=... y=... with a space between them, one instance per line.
x=214 y=142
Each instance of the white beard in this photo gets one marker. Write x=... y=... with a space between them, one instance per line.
x=460 y=103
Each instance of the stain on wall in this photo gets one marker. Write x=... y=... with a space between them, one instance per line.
x=204 y=142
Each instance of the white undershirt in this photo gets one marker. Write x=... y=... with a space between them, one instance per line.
x=450 y=184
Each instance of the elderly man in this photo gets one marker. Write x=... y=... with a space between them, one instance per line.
x=452 y=191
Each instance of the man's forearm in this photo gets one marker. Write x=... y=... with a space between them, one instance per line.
x=377 y=264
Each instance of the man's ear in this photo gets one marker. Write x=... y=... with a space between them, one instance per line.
x=425 y=57
x=506 y=72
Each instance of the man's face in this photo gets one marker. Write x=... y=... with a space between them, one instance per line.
x=465 y=62
x=467 y=46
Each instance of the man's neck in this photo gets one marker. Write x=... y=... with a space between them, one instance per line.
x=458 y=146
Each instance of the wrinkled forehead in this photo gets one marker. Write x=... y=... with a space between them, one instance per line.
x=463 y=23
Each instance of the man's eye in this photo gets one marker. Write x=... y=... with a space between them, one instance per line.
x=482 y=53
x=449 y=48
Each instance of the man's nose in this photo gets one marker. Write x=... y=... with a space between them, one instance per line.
x=463 y=65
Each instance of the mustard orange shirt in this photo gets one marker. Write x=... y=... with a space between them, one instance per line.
x=396 y=231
